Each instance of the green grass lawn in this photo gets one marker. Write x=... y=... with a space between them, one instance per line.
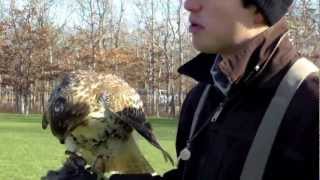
x=27 y=152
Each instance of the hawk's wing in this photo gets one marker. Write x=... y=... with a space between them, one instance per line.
x=136 y=119
x=125 y=103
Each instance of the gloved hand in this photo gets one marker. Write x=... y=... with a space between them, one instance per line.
x=67 y=175
x=73 y=169
x=170 y=175
x=134 y=177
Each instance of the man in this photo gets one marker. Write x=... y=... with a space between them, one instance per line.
x=245 y=53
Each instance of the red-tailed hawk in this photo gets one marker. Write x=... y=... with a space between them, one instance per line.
x=94 y=115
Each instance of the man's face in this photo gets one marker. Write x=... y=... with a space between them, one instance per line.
x=217 y=25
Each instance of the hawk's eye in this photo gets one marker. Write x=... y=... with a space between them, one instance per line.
x=59 y=105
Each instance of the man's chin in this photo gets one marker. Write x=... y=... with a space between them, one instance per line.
x=203 y=46
x=204 y=49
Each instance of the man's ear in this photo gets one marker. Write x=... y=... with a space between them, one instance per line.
x=259 y=19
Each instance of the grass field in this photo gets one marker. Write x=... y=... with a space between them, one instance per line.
x=27 y=151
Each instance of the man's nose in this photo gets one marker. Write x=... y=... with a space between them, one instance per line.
x=192 y=5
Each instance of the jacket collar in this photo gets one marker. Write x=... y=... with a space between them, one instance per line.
x=235 y=66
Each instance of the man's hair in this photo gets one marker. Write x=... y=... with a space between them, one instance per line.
x=249 y=3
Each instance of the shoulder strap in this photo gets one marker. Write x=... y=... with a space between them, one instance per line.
x=259 y=152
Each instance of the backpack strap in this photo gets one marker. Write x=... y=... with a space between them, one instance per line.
x=259 y=152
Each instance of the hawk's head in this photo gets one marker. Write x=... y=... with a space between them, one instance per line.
x=63 y=113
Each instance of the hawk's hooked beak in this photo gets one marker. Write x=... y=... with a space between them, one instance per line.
x=62 y=140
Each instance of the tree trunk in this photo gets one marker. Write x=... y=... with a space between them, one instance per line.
x=18 y=101
x=152 y=59
x=180 y=58
x=173 y=103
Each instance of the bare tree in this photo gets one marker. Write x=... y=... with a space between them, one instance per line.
x=304 y=26
x=146 y=53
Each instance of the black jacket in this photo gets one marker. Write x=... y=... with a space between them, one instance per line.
x=220 y=149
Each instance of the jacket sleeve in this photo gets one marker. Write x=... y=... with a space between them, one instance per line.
x=312 y=129
x=295 y=154
x=306 y=138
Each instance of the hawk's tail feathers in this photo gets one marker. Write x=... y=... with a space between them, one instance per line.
x=167 y=157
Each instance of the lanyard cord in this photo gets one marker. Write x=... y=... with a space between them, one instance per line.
x=197 y=113
x=212 y=118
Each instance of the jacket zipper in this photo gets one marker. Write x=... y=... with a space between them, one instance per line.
x=218 y=111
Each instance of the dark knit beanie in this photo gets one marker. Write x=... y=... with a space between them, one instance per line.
x=273 y=10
